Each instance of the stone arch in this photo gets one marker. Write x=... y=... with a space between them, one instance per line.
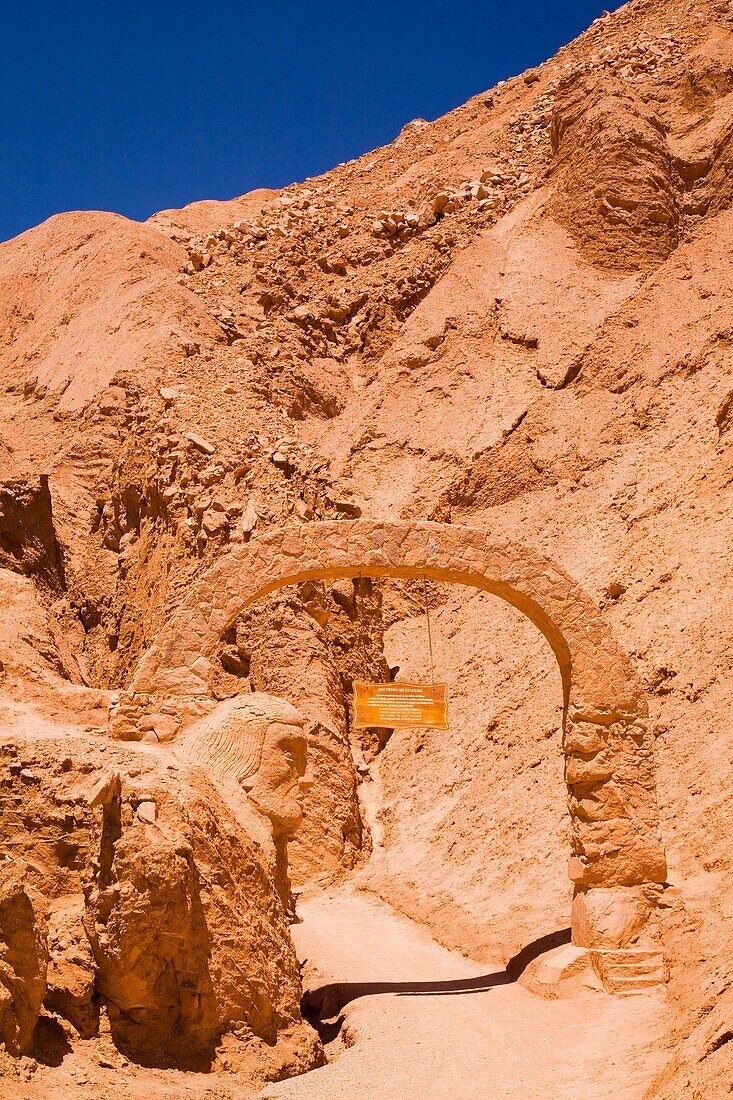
x=608 y=748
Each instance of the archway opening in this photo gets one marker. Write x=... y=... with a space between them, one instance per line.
x=476 y=828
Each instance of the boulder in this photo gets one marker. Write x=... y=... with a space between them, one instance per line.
x=189 y=936
x=147 y=929
x=214 y=522
x=563 y=972
x=200 y=443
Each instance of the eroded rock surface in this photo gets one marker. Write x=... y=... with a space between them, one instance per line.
x=516 y=318
x=164 y=916
x=23 y=956
x=71 y=981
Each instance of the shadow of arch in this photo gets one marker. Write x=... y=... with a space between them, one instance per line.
x=322 y=1006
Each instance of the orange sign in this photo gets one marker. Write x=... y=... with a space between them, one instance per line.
x=400 y=706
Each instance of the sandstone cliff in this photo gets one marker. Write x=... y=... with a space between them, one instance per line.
x=516 y=317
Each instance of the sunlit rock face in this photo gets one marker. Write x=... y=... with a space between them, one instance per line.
x=145 y=909
x=254 y=750
x=516 y=318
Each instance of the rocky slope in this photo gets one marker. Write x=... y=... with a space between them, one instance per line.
x=516 y=317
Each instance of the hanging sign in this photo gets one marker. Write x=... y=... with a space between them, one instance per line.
x=400 y=706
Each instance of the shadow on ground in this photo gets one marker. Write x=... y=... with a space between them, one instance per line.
x=323 y=1005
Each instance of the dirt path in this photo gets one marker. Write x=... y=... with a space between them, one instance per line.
x=453 y=1028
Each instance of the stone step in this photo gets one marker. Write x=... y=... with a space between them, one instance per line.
x=627 y=987
x=633 y=970
x=630 y=970
x=632 y=954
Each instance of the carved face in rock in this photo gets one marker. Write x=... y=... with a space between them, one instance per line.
x=256 y=741
x=277 y=787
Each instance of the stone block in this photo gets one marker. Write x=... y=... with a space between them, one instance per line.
x=596 y=770
x=609 y=918
x=563 y=972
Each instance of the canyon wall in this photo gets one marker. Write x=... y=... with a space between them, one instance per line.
x=517 y=318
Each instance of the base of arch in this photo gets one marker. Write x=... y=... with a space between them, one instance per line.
x=618 y=927
x=632 y=971
x=614 y=918
x=569 y=970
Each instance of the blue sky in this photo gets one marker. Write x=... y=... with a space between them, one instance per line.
x=133 y=107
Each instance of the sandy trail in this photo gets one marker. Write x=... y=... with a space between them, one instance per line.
x=474 y=1034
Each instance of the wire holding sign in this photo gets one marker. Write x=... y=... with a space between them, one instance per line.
x=400 y=706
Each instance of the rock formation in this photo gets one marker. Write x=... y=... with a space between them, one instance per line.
x=143 y=909
x=71 y=980
x=515 y=319
x=23 y=956
x=254 y=750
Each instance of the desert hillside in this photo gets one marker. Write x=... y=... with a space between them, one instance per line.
x=518 y=318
